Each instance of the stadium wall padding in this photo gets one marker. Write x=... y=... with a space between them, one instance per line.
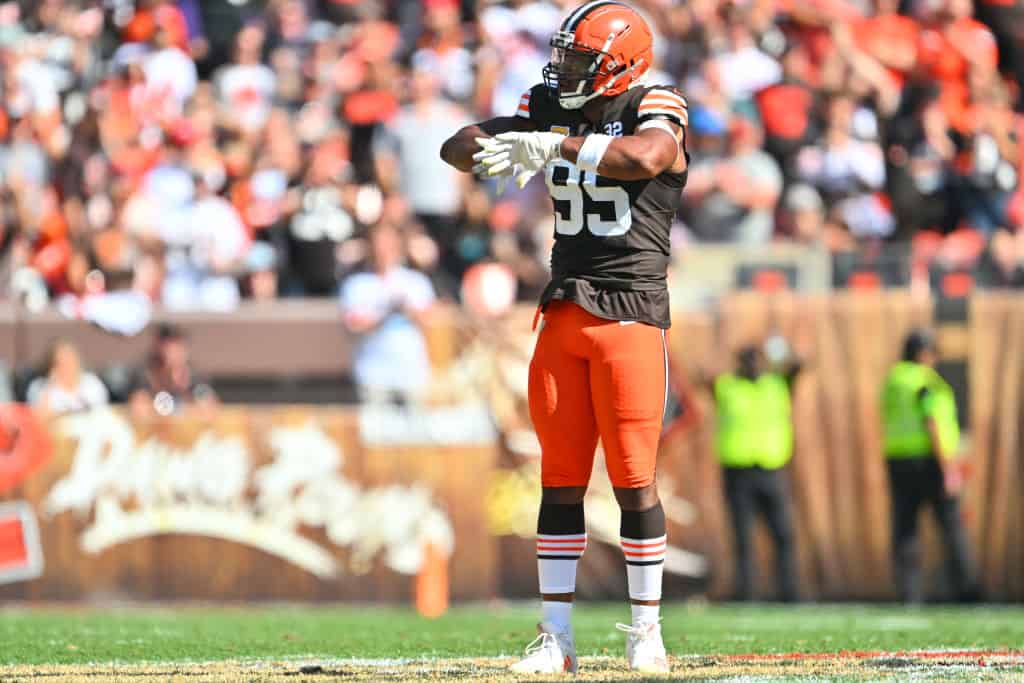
x=485 y=491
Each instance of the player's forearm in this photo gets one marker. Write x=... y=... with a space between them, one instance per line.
x=458 y=150
x=631 y=157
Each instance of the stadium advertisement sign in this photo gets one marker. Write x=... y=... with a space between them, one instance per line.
x=136 y=490
x=24 y=445
x=249 y=503
x=21 y=554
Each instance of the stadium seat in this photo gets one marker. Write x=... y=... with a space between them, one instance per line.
x=864 y=280
x=769 y=281
x=962 y=248
x=956 y=284
x=886 y=267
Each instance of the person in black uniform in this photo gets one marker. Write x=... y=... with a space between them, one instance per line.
x=612 y=151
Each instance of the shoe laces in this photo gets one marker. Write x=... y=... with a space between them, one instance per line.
x=543 y=641
x=640 y=632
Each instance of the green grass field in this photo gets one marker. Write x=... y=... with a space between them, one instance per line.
x=697 y=636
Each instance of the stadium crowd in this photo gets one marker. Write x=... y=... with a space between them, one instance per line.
x=202 y=152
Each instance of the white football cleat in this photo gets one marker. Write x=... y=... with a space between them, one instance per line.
x=644 y=650
x=551 y=652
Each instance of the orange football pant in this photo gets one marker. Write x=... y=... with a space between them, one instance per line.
x=590 y=378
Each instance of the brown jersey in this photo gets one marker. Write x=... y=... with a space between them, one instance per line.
x=611 y=248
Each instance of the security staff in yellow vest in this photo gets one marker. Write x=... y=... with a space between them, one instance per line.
x=921 y=441
x=754 y=439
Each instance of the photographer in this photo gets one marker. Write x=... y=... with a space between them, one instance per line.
x=384 y=306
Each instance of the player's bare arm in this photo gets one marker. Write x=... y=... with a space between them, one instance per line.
x=458 y=150
x=655 y=144
x=645 y=155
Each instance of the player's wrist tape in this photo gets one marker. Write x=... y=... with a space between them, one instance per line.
x=592 y=150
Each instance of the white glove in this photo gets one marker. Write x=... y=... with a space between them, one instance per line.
x=489 y=146
x=518 y=154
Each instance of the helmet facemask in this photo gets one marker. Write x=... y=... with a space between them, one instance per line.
x=574 y=71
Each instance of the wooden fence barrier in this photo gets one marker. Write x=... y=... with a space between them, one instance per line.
x=254 y=503
x=838 y=475
x=838 y=480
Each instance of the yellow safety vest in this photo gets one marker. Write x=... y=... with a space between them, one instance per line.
x=906 y=414
x=754 y=425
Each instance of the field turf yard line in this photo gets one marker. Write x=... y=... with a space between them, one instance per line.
x=203 y=634
x=960 y=667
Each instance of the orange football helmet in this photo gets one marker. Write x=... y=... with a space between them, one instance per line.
x=601 y=49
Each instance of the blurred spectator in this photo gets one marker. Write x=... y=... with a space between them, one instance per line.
x=170 y=74
x=211 y=241
x=1002 y=264
x=889 y=37
x=408 y=160
x=385 y=305
x=167 y=384
x=443 y=53
x=261 y=272
x=922 y=179
x=745 y=68
x=307 y=120
x=323 y=220
x=66 y=387
x=217 y=22
x=803 y=214
x=290 y=25
x=154 y=16
x=990 y=159
x=1006 y=20
x=731 y=197
x=515 y=50
x=246 y=87
x=848 y=170
x=955 y=49
x=787 y=107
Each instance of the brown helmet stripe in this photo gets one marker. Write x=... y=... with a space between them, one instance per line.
x=573 y=20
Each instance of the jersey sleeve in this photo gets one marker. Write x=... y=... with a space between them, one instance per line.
x=524 y=105
x=532 y=105
x=663 y=103
x=926 y=401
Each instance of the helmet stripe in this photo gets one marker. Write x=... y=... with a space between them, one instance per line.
x=582 y=11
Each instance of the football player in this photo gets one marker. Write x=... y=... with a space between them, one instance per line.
x=612 y=151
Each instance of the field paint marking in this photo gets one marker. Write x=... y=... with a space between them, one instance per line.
x=965 y=654
x=975 y=665
x=874 y=654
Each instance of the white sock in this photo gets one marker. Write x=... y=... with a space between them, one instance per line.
x=558 y=614
x=645 y=560
x=557 y=557
x=645 y=614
